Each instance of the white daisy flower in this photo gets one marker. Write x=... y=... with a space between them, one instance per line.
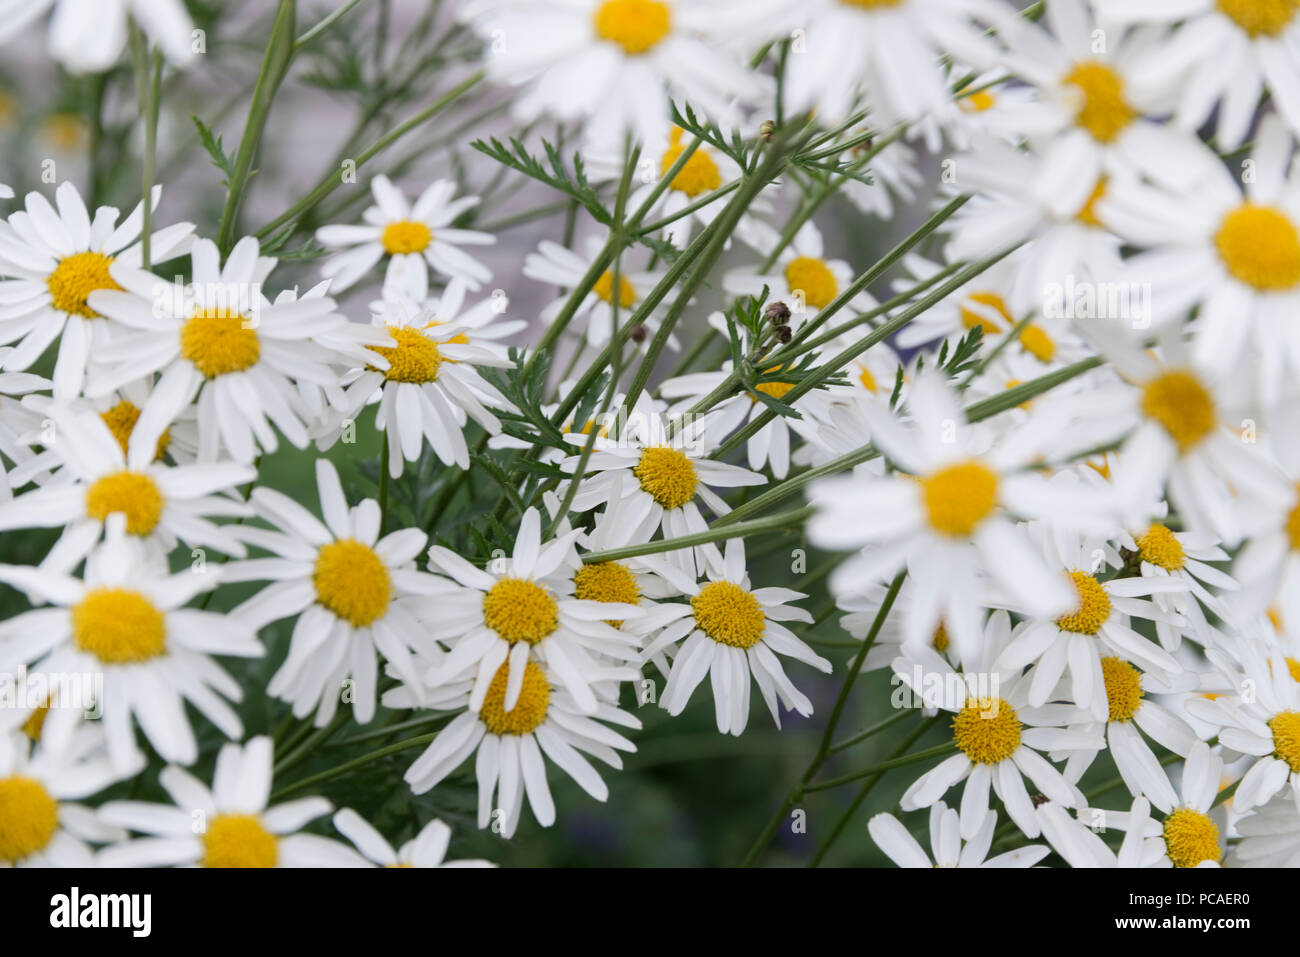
x=40 y=823
x=999 y=737
x=801 y=277
x=616 y=63
x=565 y=268
x=886 y=51
x=426 y=849
x=90 y=37
x=496 y=618
x=946 y=844
x=227 y=825
x=1225 y=53
x=162 y=504
x=425 y=379
x=510 y=745
x=356 y=596
x=415 y=238
x=58 y=257
x=1098 y=625
x=1193 y=832
x=659 y=480
x=1260 y=720
x=948 y=518
x=732 y=632
x=1232 y=252
x=1270 y=837
x=127 y=620
x=218 y=339
x=1082 y=846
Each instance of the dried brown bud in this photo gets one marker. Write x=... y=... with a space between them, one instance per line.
x=777 y=313
x=783 y=334
x=637 y=333
x=766 y=131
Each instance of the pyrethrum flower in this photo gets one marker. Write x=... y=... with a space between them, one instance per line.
x=58 y=257
x=946 y=844
x=90 y=37
x=353 y=593
x=426 y=849
x=220 y=341
x=227 y=825
x=126 y=618
x=414 y=237
x=733 y=632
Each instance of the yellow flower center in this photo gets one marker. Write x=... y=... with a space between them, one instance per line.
x=1177 y=400
x=729 y=615
x=1094 y=606
x=406 y=236
x=814 y=279
x=1191 y=837
x=867 y=380
x=1088 y=215
x=941 y=639
x=606 y=581
x=978 y=102
x=604 y=288
x=121 y=420
x=220 y=341
x=958 y=498
x=970 y=318
x=987 y=730
x=529 y=711
x=1161 y=548
x=667 y=476
x=1123 y=688
x=352 y=581
x=698 y=176
x=239 y=840
x=134 y=494
x=75 y=278
x=415 y=358
x=1292 y=667
x=1037 y=343
x=635 y=25
x=519 y=610
x=118 y=626
x=1260 y=246
x=28 y=818
x=1257 y=18
x=65 y=131
x=1103 y=110
x=1286 y=737
x=1293 y=524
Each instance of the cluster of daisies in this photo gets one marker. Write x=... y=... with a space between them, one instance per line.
x=1056 y=472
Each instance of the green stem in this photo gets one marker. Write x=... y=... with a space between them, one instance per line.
x=938 y=751
x=338 y=770
x=779 y=522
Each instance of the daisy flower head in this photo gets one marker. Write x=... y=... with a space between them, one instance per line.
x=426 y=849
x=948 y=515
x=126 y=618
x=41 y=825
x=947 y=847
x=356 y=595
x=1194 y=830
x=1270 y=837
x=1261 y=720
x=226 y=825
x=426 y=378
x=415 y=237
x=800 y=275
x=884 y=51
x=654 y=471
x=616 y=64
x=732 y=633
x=1000 y=739
x=1230 y=251
x=58 y=255
x=95 y=478
x=1225 y=53
x=565 y=268
x=218 y=339
x=496 y=620
x=90 y=38
x=510 y=745
x=1098 y=624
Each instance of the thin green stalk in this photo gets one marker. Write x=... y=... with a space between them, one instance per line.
x=341 y=769
x=938 y=751
x=279 y=54
x=772 y=523
x=148 y=81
